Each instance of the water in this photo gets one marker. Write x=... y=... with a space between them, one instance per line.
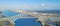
x=27 y=22
x=22 y=21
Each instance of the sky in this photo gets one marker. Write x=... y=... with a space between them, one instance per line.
x=31 y=5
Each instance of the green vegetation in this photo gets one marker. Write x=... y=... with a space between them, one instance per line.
x=0 y=24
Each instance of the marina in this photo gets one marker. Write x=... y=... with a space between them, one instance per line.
x=29 y=12
x=24 y=16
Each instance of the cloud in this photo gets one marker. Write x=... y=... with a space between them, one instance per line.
x=29 y=6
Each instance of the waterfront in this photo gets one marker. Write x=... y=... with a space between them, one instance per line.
x=22 y=21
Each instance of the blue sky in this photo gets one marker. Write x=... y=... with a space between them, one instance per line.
x=30 y=4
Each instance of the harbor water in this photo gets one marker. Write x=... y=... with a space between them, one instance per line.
x=22 y=21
